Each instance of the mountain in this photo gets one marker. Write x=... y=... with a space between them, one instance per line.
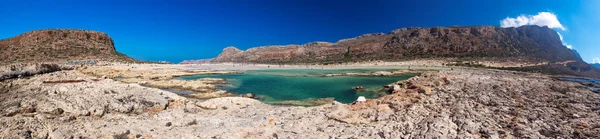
x=597 y=65
x=530 y=44
x=576 y=54
x=533 y=42
x=59 y=45
x=198 y=61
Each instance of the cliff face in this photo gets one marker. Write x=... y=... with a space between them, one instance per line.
x=538 y=43
x=59 y=46
x=527 y=43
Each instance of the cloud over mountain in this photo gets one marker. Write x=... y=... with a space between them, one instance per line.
x=541 y=19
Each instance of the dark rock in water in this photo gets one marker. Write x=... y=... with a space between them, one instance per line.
x=250 y=95
x=358 y=88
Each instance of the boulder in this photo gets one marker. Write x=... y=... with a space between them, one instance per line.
x=358 y=88
x=396 y=87
x=250 y=95
x=421 y=89
x=383 y=73
x=361 y=99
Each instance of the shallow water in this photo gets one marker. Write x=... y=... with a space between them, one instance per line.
x=305 y=84
x=582 y=80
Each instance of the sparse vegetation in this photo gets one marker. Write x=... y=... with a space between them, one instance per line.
x=55 y=49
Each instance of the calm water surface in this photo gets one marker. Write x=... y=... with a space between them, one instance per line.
x=279 y=85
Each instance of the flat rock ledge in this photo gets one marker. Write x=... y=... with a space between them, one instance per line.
x=444 y=104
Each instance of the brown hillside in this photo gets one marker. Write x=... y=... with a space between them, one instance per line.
x=527 y=43
x=58 y=45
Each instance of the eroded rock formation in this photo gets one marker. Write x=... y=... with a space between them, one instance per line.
x=59 y=45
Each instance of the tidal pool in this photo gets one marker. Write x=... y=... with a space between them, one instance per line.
x=302 y=85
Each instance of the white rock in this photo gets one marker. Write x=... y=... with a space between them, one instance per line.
x=361 y=99
x=396 y=87
x=336 y=103
x=220 y=92
x=62 y=89
x=383 y=73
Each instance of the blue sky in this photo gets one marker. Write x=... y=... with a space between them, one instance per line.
x=195 y=29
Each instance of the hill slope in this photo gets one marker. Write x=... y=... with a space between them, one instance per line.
x=597 y=65
x=409 y=43
x=59 y=45
x=531 y=44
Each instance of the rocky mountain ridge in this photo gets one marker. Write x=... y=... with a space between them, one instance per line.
x=59 y=45
x=534 y=42
x=528 y=44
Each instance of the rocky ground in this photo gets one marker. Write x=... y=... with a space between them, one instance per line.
x=446 y=104
x=164 y=77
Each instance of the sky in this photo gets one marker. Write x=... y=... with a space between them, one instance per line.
x=175 y=30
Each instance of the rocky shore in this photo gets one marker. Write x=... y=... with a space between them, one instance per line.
x=163 y=78
x=477 y=103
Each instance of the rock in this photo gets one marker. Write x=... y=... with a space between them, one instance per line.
x=383 y=73
x=192 y=108
x=438 y=83
x=336 y=103
x=67 y=118
x=358 y=88
x=361 y=99
x=98 y=112
x=57 y=111
x=220 y=92
x=11 y=111
x=421 y=89
x=396 y=88
x=250 y=95
x=62 y=89
x=311 y=102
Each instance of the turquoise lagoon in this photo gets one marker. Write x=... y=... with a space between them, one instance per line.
x=304 y=84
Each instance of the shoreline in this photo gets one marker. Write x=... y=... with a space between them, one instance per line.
x=453 y=103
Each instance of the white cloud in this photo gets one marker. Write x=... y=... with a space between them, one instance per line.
x=569 y=46
x=564 y=43
x=596 y=60
x=541 y=19
x=559 y=35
